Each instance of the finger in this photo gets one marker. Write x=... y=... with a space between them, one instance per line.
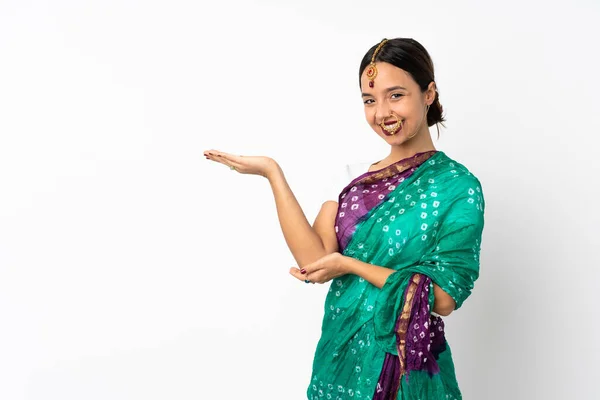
x=321 y=276
x=231 y=159
x=295 y=272
x=314 y=267
x=211 y=152
x=223 y=161
x=313 y=278
x=217 y=153
x=224 y=158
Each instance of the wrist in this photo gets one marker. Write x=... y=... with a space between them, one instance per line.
x=273 y=170
x=348 y=265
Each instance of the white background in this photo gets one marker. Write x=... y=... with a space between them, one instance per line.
x=133 y=268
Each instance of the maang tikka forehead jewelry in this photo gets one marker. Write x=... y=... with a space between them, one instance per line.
x=372 y=69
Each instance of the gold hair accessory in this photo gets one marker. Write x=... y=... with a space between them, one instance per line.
x=372 y=69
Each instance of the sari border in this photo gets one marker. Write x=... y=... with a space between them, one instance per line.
x=396 y=168
x=404 y=320
x=417 y=160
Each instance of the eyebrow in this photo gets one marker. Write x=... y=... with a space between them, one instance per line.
x=391 y=89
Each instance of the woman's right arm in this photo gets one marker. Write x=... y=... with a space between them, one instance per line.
x=307 y=243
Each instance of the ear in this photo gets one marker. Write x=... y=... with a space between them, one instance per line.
x=430 y=93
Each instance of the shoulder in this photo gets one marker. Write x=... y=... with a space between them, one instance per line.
x=459 y=184
x=454 y=173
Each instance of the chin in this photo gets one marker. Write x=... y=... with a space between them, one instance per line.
x=398 y=137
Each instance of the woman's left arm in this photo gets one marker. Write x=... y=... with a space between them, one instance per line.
x=376 y=275
x=335 y=264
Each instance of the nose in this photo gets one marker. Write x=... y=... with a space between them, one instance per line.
x=382 y=112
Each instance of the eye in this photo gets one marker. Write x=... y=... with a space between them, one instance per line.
x=369 y=101
x=397 y=95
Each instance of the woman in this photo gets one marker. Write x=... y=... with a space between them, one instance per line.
x=400 y=246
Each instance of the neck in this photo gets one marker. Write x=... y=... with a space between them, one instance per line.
x=420 y=143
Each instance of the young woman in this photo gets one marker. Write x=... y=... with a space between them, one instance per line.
x=400 y=245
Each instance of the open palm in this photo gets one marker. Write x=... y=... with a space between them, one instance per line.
x=254 y=165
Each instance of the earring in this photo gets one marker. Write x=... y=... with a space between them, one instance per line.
x=424 y=117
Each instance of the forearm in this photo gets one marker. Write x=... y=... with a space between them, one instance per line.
x=376 y=275
x=304 y=243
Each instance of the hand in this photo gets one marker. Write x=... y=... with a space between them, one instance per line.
x=323 y=270
x=253 y=165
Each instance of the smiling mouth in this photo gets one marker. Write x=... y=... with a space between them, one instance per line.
x=391 y=128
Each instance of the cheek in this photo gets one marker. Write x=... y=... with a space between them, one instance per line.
x=370 y=115
x=409 y=110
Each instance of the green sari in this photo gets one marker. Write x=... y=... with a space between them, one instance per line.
x=422 y=217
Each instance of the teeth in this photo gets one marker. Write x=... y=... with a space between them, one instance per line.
x=392 y=125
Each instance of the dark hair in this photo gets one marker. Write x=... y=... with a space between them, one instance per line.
x=411 y=56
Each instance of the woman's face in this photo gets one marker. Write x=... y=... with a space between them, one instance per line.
x=395 y=106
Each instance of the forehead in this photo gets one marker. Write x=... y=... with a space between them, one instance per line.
x=387 y=75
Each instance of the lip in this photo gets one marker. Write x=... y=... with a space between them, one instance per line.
x=386 y=133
